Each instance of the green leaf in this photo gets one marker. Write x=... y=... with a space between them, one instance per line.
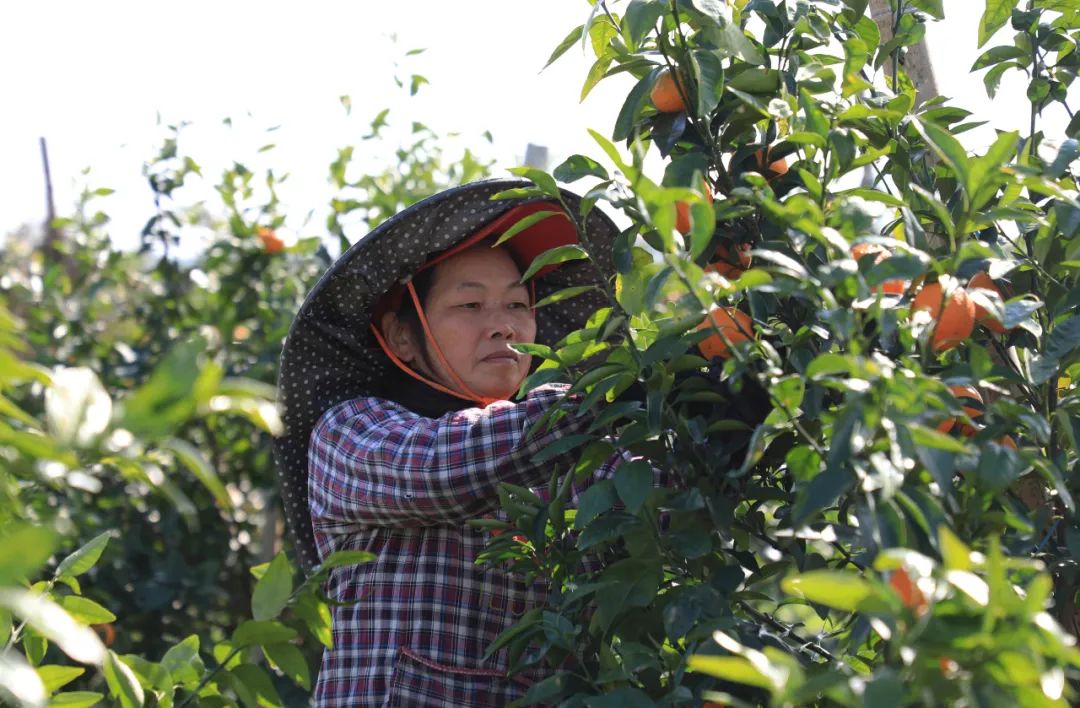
x=56 y=677
x=23 y=551
x=709 y=74
x=596 y=73
x=984 y=169
x=789 y=390
x=316 y=616
x=575 y=167
x=570 y=40
x=946 y=147
x=167 y=399
x=640 y=19
x=272 y=592
x=633 y=583
x=873 y=195
x=994 y=17
x=183 y=663
x=822 y=492
x=827 y=364
x=833 y=588
x=258 y=683
x=560 y=446
x=194 y=459
x=1062 y=340
x=931 y=7
x=996 y=55
x=340 y=558
x=564 y=294
x=559 y=254
x=816 y=121
x=738 y=669
x=931 y=438
x=291 y=662
x=594 y=501
x=540 y=178
x=86 y=610
x=76 y=699
x=256 y=632
x=993 y=77
x=122 y=682
x=525 y=223
x=84 y=558
x=634 y=482
x=622 y=697
x=954 y=552
x=635 y=100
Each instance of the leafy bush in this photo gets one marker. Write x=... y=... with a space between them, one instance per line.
x=875 y=533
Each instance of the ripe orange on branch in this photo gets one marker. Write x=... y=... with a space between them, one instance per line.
x=909 y=593
x=964 y=393
x=896 y=286
x=774 y=169
x=682 y=210
x=982 y=281
x=666 y=94
x=729 y=266
x=953 y=315
x=735 y=325
x=270 y=240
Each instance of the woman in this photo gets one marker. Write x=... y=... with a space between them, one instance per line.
x=411 y=432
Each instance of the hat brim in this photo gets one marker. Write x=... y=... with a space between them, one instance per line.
x=330 y=355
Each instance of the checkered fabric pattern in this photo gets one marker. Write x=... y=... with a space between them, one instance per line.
x=416 y=621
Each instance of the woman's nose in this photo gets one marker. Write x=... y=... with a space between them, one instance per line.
x=502 y=325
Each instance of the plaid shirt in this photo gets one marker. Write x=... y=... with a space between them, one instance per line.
x=416 y=621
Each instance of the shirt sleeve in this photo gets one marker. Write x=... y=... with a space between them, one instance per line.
x=373 y=462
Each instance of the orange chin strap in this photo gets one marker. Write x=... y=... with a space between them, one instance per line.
x=469 y=394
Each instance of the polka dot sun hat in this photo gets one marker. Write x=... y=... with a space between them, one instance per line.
x=330 y=354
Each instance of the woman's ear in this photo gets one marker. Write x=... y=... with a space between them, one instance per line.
x=398 y=337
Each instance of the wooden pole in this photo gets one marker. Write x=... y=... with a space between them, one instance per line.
x=916 y=61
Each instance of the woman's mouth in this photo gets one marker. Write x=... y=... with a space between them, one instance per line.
x=502 y=357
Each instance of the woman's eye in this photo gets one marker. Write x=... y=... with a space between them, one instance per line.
x=519 y=305
x=470 y=305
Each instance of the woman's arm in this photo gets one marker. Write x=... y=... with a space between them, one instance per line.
x=374 y=463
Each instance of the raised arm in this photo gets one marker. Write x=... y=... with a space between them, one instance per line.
x=374 y=463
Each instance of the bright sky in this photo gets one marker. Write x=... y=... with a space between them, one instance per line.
x=92 y=77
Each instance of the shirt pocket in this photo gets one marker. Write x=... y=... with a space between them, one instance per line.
x=419 y=681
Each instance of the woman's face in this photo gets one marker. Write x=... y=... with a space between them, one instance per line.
x=475 y=308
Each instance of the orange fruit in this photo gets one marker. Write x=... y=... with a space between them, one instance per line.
x=682 y=210
x=736 y=326
x=896 y=286
x=665 y=94
x=271 y=242
x=967 y=431
x=908 y=592
x=948 y=666
x=775 y=169
x=728 y=266
x=1007 y=441
x=982 y=281
x=106 y=631
x=964 y=393
x=954 y=316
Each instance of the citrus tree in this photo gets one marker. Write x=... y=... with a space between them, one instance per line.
x=847 y=344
